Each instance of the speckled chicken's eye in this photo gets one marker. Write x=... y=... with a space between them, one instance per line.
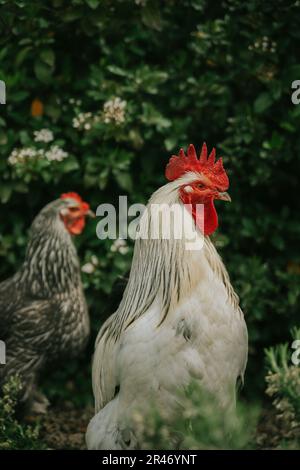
x=73 y=209
x=200 y=185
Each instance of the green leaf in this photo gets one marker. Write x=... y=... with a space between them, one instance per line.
x=170 y=143
x=93 y=3
x=151 y=16
x=70 y=164
x=72 y=15
x=124 y=180
x=48 y=56
x=5 y=193
x=117 y=70
x=3 y=137
x=42 y=71
x=21 y=56
x=54 y=111
x=262 y=103
x=103 y=178
x=19 y=96
x=288 y=126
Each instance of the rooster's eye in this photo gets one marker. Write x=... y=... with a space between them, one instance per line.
x=200 y=185
x=73 y=209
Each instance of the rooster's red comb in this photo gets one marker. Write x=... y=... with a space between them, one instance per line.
x=180 y=164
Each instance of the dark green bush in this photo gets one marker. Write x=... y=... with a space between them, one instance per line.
x=283 y=380
x=13 y=434
x=188 y=71
x=199 y=424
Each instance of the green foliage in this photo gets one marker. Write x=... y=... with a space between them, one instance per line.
x=283 y=381
x=199 y=424
x=284 y=376
x=122 y=84
x=69 y=384
x=14 y=435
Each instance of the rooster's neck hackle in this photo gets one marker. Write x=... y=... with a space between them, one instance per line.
x=163 y=269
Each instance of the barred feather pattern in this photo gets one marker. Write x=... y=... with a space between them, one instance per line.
x=43 y=312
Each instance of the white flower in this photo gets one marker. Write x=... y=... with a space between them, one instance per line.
x=94 y=260
x=119 y=245
x=55 y=153
x=88 y=268
x=82 y=120
x=114 y=111
x=21 y=155
x=43 y=135
x=264 y=44
x=26 y=154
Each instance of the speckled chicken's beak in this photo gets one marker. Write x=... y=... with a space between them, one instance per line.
x=91 y=214
x=224 y=197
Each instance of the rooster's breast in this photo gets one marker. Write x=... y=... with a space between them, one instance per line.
x=203 y=339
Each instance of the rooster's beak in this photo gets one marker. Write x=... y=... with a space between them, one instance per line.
x=224 y=197
x=91 y=214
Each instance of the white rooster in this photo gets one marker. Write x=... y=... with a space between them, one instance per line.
x=179 y=319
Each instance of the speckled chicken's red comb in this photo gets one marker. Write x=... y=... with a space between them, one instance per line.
x=71 y=196
x=84 y=205
x=180 y=164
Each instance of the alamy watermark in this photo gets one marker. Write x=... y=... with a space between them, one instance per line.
x=295 y=97
x=296 y=353
x=2 y=92
x=2 y=353
x=152 y=222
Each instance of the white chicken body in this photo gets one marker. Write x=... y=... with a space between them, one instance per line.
x=141 y=360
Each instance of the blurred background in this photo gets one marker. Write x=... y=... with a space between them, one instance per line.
x=101 y=92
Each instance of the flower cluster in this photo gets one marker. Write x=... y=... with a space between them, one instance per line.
x=90 y=267
x=75 y=102
x=23 y=155
x=114 y=111
x=83 y=121
x=119 y=246
x=31 y=153
x=43 y=135
x=264 y=44
x=55 y=153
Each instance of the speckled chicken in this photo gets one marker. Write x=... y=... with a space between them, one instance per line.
x=43 y=312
